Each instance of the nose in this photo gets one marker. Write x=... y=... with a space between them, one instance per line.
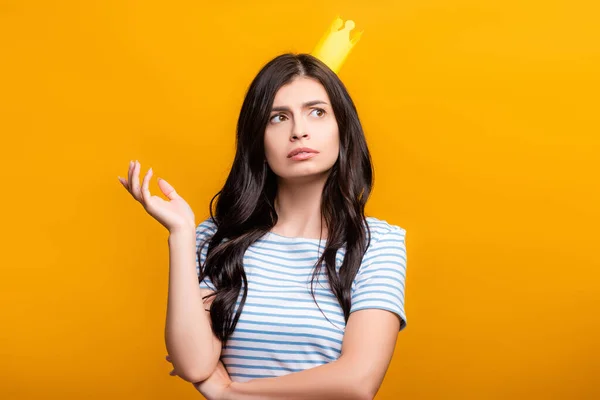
x=298 y=130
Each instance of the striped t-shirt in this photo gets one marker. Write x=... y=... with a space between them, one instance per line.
x=281 y=330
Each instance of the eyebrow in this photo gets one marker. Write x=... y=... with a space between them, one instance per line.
x=307 y=104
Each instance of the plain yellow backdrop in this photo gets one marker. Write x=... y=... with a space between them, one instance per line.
x=483 y=122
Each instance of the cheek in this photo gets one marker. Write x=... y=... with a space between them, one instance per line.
x=333 y=139
x=335 y=148
x=271 y=142
x=331 y=142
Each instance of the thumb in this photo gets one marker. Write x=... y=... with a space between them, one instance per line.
x=167 y=189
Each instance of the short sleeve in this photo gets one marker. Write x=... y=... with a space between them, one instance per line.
x=380 y=280
x=204 y=231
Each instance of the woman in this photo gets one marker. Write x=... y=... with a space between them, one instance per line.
x=304 y=295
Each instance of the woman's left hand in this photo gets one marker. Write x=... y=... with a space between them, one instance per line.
x=216 y=386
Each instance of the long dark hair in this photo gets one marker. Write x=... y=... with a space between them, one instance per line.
x=245 y=206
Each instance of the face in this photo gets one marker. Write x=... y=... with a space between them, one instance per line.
x=301 y=116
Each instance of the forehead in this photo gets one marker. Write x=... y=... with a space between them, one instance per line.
x=300 y=90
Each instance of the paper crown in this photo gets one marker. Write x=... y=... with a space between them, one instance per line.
x=335 y=45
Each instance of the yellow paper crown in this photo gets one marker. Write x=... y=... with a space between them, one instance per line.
x=335 y=45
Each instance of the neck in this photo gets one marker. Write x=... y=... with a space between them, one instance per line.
x=298 y=207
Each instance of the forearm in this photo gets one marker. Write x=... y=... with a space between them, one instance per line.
x=336 y=380
x=188 y=333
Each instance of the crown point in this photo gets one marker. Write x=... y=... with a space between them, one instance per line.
x=337 y=24
x=335 y=45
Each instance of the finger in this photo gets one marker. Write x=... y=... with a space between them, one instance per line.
x=168 y=358
x=135 y=181
x=129 y=175
x=125 y=184
x=167 y=189
x=145 y=188
x=172 y=373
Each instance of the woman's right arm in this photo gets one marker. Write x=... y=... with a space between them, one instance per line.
x=191 y=344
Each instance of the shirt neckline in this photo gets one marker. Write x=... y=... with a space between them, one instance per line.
x=295 y=239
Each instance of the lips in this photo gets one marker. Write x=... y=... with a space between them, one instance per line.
x=301 y=150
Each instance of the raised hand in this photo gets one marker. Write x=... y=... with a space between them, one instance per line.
x=174 y=214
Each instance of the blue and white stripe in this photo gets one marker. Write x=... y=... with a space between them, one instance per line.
x=281 y=329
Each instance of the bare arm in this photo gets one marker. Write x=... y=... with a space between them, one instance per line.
x=190 y=342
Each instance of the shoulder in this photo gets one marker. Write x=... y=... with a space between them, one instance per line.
x=205 y=229
x=383 y=231
x=207 y=224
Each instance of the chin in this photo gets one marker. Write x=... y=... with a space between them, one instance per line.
x=302 y=171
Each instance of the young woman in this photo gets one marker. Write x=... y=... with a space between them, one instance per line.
x=304 y=294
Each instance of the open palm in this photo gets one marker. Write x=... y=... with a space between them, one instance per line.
x=174 y=213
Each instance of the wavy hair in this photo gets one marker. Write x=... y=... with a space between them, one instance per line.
x=245 y=210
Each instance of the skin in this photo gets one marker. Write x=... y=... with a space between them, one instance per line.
x=295 y=124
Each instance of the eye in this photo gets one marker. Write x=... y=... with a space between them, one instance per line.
x=274 y=120
x=320 y=111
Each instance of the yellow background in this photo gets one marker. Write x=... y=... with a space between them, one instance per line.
x=483 y=121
